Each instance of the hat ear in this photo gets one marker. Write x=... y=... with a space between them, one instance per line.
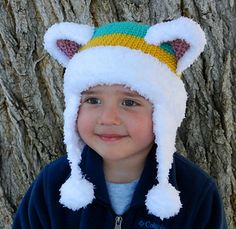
x=63 y=40
x=186 y=37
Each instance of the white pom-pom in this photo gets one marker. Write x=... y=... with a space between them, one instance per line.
x=76 y=193
x=163 y=201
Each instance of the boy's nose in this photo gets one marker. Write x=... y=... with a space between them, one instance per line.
x=109 y=116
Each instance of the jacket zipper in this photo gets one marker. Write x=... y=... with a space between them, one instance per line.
x=118 y=222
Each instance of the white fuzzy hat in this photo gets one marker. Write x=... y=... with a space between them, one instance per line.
x=147 y=59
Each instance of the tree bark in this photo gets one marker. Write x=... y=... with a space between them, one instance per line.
x=31 y=85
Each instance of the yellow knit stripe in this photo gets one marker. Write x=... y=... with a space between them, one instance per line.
x=134 y=43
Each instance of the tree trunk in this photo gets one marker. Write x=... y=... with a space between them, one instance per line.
x=31 y=98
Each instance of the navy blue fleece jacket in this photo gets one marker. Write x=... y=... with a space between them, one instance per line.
x=40 y=208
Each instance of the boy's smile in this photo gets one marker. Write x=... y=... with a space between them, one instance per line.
x=111 y=137
x=116 y=122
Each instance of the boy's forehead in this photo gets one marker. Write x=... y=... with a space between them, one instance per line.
x=112 y=88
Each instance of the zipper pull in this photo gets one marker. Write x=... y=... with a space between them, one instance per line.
x=118 y=222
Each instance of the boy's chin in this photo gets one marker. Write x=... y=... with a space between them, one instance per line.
x=118 y=155
x=112 y=156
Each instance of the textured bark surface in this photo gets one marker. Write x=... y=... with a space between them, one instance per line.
x=31 y=99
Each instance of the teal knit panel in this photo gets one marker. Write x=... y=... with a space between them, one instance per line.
x=129 y=28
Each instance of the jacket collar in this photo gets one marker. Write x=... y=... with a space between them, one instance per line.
x=92 y=168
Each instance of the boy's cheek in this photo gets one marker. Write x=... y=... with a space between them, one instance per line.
x=84 y=126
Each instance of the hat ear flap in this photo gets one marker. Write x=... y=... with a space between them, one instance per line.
x=186 y=37
x=63 y=40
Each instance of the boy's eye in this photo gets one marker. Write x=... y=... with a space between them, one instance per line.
x=93 y=101
x=129 y=103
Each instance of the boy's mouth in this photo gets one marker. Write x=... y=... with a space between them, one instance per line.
x=111 y=137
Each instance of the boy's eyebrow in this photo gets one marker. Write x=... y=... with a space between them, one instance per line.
x=131 y=94
x=90 y=92
x=127 y=93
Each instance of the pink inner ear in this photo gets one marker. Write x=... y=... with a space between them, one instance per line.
x=68 y=47
x=180 y=47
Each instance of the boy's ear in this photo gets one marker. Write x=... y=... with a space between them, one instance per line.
x=185 y=36
x=63 y=40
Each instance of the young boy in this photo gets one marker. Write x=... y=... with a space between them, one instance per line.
x=124 y=102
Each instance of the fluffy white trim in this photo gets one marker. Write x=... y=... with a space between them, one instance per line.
x=120 y=65
x=76 y=193
x=181 y=28
x=163 y=201
x=78 y=33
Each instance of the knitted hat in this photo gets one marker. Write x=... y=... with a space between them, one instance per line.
x=147 y=59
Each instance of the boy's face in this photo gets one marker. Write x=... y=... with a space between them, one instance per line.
x=116 y=122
